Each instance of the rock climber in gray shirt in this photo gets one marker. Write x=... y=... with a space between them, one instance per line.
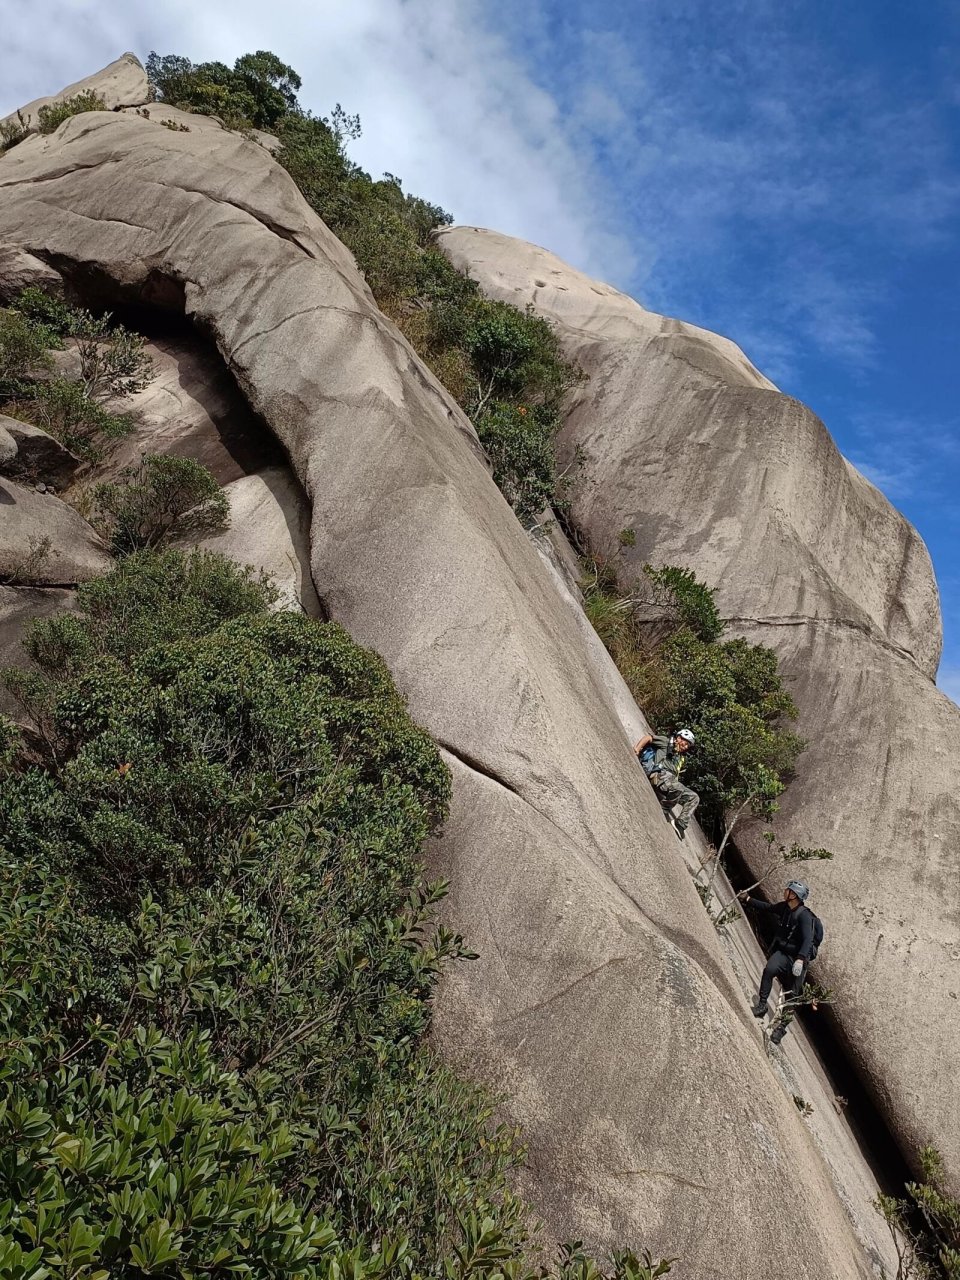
x=662 y=758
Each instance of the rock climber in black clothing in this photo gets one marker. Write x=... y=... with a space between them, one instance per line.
x=791 y=950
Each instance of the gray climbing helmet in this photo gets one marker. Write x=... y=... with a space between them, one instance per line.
x=800 y=889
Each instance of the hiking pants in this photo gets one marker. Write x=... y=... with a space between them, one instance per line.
x=780 y=966
x=672 y=792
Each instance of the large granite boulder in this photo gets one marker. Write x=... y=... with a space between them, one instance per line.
x=20 y=270
x=34 y=454
x=602 y=1005
x=191 y=408
x=270 y=531
x=687 y=444
x=45 y=542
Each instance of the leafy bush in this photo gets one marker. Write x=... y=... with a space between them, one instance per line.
x=43 y=309
x=217 y=953
x=164 y=498
x=255 y=92
x=520 y=445
x=664 y=636
x=925 y=1225
x=113 y=362
x=12 y=132
x=53 y=114
x=24 y=348
x=62 y=408
x=113 y=365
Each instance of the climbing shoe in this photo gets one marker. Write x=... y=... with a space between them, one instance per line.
x=777 y=1034
x=760 y=1009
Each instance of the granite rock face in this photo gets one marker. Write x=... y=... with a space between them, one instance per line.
x=602 y=1004
x=34 y=454
x=689 y=445
x=270 y=531
x=45 y=542
x=20 y=270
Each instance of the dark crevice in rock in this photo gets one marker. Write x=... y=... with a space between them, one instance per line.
x=476 y=766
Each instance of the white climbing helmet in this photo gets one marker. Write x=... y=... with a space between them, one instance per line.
x=686 y=735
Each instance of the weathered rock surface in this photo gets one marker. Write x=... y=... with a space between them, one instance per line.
x=602 y=1004
x=121 y=84
x=44 y=541
x=20 y=270
x=8 y=446
x=192 y=408
x=690 y=446
x=270 y=531
x=36 y=454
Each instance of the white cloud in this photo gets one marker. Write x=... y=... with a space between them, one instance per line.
x=443 y=102
x=751 y=183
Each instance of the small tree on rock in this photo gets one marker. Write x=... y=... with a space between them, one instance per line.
x=162 y=499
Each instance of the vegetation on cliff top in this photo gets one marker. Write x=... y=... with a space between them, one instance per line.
x=503 y=365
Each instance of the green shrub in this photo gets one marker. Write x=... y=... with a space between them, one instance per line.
x=24 y=349
x=12 y=132
x=43 y=309
x=113 y=365
x=162 y=499
x=217 y=951
x=61 y=407
x=520 y=445
x=663 y=634
x=148 y=600
x=53 y=114
x=256 y=92
x=925 y=1224
x=113 y=362
x=687 y=601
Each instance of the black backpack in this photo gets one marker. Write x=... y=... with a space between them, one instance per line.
x=817 y=934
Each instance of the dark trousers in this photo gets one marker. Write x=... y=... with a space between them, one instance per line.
x=780 y=966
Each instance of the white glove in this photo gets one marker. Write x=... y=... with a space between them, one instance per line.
x=797 y=968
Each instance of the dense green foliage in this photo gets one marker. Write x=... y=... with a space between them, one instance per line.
x=111 y=364
x=503 y=365
x=664 y=635
x=53 y=114
x=163 y=498
x=217 y=954
x=925 y=1225
x=254 y=93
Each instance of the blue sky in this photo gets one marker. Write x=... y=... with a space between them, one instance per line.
x=784 y=172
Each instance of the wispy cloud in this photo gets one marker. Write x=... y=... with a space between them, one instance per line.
x=908 y=457
x=443 y=99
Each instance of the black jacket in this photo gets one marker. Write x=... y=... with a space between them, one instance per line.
x=794 y=929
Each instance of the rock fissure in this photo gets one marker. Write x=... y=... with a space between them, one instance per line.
x=539 y=1005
